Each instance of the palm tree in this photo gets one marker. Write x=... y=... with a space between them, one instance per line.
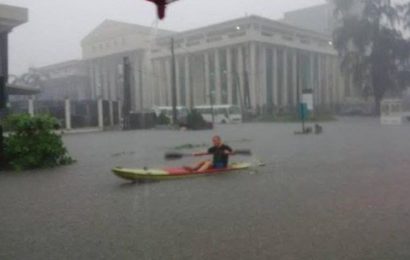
x=370 y=45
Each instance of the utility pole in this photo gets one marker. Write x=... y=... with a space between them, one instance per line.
x=127 y=92
x=301 y=108
x=173 y=85
x=141 y=92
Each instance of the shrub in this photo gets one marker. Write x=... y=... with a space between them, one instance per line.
x=196 y=121
x=33 y=143
x=162 y=119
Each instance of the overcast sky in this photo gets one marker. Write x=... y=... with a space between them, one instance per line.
x=56 y=27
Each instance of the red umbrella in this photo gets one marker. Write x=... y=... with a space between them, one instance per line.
x=161 y=4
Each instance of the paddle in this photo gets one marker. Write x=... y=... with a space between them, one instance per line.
x=176 y=155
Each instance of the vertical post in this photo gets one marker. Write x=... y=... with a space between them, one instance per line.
x=3 y=82
x=67 y=114
x=100 y=114
x=173 y=84
x=31 y=106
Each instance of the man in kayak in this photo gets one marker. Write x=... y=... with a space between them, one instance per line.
x=220 y=153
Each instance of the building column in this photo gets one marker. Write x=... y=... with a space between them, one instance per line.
x=168 y=81
x=119 y=103
x=295 y=78
x=154 y=83
x=90 y=72
x=263 y=71
x=139 y=84
x=275 y=91
x=327 y=97
x=342 y=85
x=285 y=79
x=188 y=87
x=252 y=75
x=318 y=100
x=67 y=114
x=311 y=71
x=162 y=82
x=111 y=109
x=31 y=106
x=336 y=82
x=218 y=89
x=229 y=75
x=178 y=81
x=207 y=74
x=241 y=69
x=100 y=114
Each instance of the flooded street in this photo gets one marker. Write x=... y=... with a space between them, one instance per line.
x=340 y=195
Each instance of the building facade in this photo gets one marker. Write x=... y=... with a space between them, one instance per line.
x=63 y=80
x=104 y=50
x=258 y=63
x=10 y=17
x=319 y=18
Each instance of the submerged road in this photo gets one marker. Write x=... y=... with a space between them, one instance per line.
x=340 y=195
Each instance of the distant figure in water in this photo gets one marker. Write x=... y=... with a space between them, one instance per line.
x=220 y=153
x=318 y=129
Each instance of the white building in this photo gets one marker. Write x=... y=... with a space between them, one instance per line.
x=64 y=80
x=258 y=63
x=252 y=61
x=104 y=50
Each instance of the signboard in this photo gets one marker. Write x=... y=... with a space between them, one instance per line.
x=307 y=98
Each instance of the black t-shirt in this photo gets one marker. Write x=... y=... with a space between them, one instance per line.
x=219 y=156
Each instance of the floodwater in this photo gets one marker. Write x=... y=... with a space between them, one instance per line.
x=340 y=195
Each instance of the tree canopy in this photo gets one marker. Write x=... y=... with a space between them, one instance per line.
x=370 y=42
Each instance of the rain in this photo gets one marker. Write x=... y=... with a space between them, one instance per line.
x=220 y=130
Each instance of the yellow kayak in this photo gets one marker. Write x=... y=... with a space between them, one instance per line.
x=171 y=173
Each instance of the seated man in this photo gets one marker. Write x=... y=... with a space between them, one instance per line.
x=220 y=154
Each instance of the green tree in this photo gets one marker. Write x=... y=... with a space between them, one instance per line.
x=33 y=143
x=371 y=46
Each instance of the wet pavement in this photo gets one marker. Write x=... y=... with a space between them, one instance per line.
x=340 y=195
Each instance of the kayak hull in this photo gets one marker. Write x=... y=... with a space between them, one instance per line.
x=171 y=173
